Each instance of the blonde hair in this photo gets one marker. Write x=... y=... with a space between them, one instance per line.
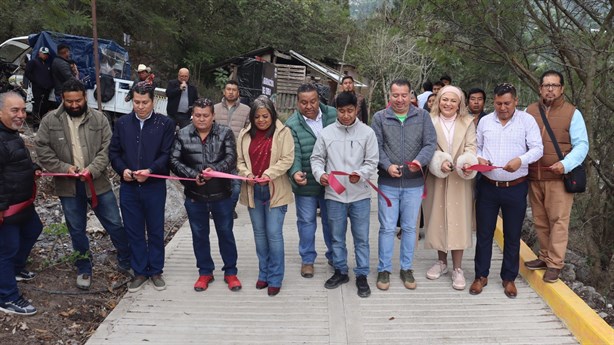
x=462 y=106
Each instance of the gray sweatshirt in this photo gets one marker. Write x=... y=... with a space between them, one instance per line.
x=349 y=149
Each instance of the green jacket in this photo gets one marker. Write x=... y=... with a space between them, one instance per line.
x=304 y=140
x=54 y=149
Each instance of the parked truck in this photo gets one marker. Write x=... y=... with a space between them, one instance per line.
x=114 y=63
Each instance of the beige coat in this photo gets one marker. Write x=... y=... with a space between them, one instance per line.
x=449 y=207
x=282 y=157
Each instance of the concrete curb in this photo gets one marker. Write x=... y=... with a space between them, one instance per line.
x=581 y=320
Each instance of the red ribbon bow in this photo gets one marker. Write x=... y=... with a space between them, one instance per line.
x=339 y=188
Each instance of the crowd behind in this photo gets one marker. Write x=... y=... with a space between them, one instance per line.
x=425 y=151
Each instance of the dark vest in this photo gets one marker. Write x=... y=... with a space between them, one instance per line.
x=559 y=116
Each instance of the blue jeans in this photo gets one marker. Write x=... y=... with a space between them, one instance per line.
x=142 y=208
x=198 y=216
x=512 y=202
x=359 y=219
x=16 y=242
x=406 y=205
x=236 y=190
x=306 y=222
x=107 y=212
x=267 y=223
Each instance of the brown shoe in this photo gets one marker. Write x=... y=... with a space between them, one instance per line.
x=509 y=288
x=552 y=275
x=536 y=264
x=307 y=270
x=477 y=285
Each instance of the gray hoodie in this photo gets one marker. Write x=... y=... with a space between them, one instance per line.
x=349 y=149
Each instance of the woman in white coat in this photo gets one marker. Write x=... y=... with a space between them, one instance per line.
x=449 y=206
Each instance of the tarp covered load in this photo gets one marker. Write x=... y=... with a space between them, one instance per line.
x=114 y=60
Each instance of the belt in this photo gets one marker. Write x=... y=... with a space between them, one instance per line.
x=505 y=184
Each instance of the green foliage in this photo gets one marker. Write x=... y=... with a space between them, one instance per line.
x=56 y=229
x=221 y=78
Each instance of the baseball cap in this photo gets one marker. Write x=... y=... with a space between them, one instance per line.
x=44 y=50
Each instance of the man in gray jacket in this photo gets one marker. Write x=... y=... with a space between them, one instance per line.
x=75 y=139
x=407 y=142
x=348 y=146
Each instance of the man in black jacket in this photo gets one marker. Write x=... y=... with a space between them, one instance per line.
x=207 y=146
x=62 y=69
x=38 y=71
x=20 y=225
x=181 y=95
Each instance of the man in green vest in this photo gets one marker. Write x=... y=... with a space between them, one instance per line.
x=306 y=123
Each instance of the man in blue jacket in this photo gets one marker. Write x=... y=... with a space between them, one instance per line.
x=141 y=145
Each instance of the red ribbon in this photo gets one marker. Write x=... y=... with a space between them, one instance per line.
x=483 y=168
x=339 y=188
x=423 y=176
x=213 y=174
x=88 y=179
x=14 y=209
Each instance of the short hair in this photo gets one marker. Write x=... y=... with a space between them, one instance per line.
x=347 y=77
x=231 y=82
x=62 y=46
x=8 y=94
x=262 y=102
x=400 y=82
x=446 y=77
x=438 y=83
x=73 y=85
x=552 y=72
x=346 y=98
x=307 y=87
x=427 y=86
x=203 y=103
x=504 y=88
x=143 y=88
x=476 y=90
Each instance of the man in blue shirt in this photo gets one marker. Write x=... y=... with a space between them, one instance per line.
x=141 y=145
x=550 y=203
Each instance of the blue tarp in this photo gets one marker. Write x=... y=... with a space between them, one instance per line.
x=114 y=58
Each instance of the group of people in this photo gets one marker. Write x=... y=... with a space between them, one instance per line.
x=320 y=158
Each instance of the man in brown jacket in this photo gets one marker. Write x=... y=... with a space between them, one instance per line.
x=75 y=139
x=230 y=112
x=550 y=203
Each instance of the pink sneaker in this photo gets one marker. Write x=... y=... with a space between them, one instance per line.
x=458 y=279
x=437 y=270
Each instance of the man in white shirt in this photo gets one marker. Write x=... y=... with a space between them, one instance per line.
x=508 y=138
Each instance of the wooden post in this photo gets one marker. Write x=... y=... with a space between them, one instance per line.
x=96 y=57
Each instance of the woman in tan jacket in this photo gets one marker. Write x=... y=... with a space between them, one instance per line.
x=448 y=208
x=265 y=149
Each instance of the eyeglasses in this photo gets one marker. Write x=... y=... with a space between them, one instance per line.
x=203 y=102
x=551 y=86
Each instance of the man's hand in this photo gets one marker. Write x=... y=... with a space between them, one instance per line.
x=84 y=172
x=128 y=175
x=415 y=167
x=513 y=165
x=300 y=178
x=251 y=182
x=394 y=170
x=141 y=175
x=557 y=168
x=73 y=170
x=447 y=167
x=264 y=183
x=37 y=174
x=483 y=161
x=1 y=217
x=354 y=177
x=324 y=180
x=207 y=171
x=200 y=180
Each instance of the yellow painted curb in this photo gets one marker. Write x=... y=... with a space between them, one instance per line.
x=580 y=319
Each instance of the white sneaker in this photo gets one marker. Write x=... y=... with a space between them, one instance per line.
x=437 y=270
x=458 y=279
